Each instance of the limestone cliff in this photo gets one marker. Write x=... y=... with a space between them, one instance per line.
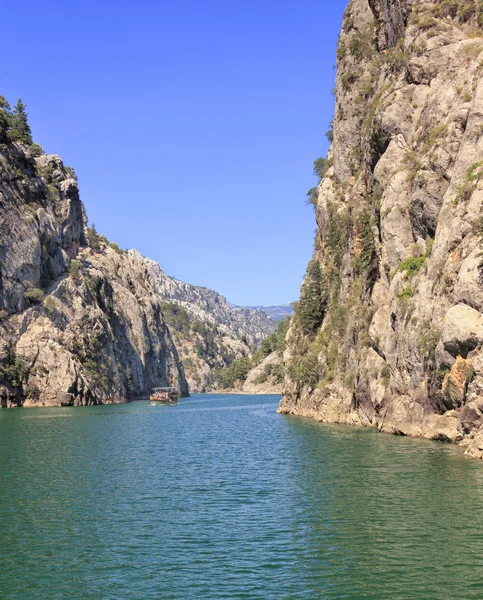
x=209 y=332
x=79 y=325
x=83 y=322
x=389 y=329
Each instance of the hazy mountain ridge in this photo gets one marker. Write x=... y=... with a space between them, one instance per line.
x=276 y=313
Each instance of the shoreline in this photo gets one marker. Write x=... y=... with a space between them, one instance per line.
x=472 y=446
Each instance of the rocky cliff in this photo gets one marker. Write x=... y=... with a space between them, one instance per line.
x=83 y=322
x=209 y=332
x=79 y=324
x=389 y=329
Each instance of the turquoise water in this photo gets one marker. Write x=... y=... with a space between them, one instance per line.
x=220 y=498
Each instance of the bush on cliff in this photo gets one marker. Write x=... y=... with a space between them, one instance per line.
x=93 y=238
x=34 y=296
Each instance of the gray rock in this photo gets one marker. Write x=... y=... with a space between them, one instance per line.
x=407 y=149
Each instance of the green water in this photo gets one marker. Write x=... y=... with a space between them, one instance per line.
x=220 y=498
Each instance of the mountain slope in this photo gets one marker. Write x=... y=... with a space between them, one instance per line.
x=388 y=329
x=209 y=332
x=78 y=325
x=83 y=322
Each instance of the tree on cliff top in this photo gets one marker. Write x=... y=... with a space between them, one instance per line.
x=19 y=126
x=4 y=118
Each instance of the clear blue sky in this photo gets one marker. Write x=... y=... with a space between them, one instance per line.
x=192 y=126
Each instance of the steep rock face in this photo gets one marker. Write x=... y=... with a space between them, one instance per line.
x=395 y=339
x=209 y=333
x=83 y=322
x=77 y=325
x=42 y=222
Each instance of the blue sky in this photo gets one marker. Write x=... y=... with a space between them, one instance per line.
x=192 y=126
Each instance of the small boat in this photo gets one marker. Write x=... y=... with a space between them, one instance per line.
x=165 y=395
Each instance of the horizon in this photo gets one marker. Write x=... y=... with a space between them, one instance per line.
x=192 y=130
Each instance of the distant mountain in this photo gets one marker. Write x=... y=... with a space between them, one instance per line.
x=276 y=313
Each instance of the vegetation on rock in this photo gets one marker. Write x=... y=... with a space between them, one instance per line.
x=399 y=238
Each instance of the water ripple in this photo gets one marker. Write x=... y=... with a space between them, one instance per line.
x=220 y=498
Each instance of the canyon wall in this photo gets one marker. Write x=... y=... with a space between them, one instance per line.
x=388 y=332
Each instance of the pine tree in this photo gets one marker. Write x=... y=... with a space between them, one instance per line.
x=20 y=130
x=4 y=104
x=5 y=119
x=313 y=300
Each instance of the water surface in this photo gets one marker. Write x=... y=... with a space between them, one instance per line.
x=220 y=498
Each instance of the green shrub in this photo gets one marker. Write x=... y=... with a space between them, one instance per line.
x=49 y=304
x=321 y=166
x=348 y=79
x=275 y=342
x=237 y=371
x=427 y=342
x=14 y=370
x=36 y=150
x=116 y=248
x=427 y=22
x=365 y=90
x=406 y=292
x=274 y=371
x=412 y=162
x=341 y=50
x=466 y=10
x=307 y=371
x=446 y=8
x=361 y=44
x=75 y=268
x=366 y=263
x=93 y=238
x=19 y=127
x=385 y=374
x=336 y=238
x=413 y=264
x=397 y=58
x=34 y=296
x=313 y=196
x=466 y=189
x=178 y=319
x=70 y=171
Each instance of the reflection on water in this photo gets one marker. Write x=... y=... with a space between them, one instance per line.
x=219 y=497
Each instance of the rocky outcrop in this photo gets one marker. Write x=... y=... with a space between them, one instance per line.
x=265 y=378
x=79 y=324
x=395 y=340
x=83 y=322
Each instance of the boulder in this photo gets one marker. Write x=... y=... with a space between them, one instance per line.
x=462 y=332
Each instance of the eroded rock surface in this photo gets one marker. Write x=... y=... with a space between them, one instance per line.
x=83 y=322
x=398 y=342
